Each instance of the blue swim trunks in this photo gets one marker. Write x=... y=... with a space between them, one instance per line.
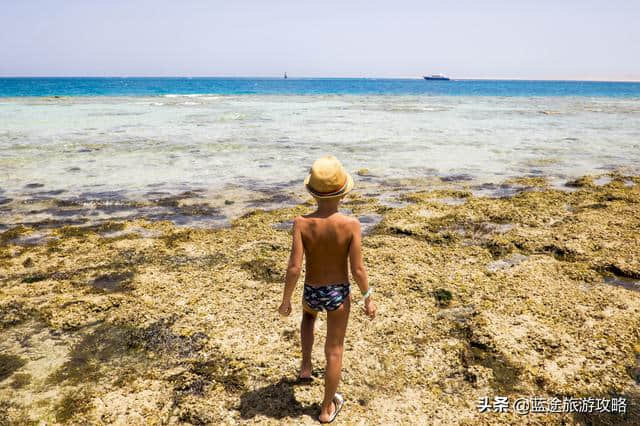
x=327 y=297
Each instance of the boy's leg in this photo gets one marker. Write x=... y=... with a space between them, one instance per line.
x=307 y=328
x=333 y=349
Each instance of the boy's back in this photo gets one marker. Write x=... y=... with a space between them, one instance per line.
x=326 y=242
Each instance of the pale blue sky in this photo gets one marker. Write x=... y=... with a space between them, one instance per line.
x=402 y=38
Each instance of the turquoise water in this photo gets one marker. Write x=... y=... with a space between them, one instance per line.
x=71 y=86
x=69 y=159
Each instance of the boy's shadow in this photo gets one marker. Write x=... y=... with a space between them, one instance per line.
x=276 y=401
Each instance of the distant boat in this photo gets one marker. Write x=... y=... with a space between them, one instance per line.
x=285 y=75
x=437 y=77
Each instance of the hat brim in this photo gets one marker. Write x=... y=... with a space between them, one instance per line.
x=348 y=186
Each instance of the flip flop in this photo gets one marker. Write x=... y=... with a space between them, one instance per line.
x=304 y=379
x=338 y=401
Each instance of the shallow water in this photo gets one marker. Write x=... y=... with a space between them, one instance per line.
x=628 y=283
x=118 y=149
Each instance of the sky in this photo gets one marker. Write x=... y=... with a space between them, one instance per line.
x=560 y=39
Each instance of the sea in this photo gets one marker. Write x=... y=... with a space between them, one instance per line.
x=77 y=150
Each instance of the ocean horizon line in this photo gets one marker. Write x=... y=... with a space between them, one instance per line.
x=259 y=77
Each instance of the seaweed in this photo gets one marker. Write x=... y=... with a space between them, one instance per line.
x=13 y=414
x=499 y=246
x=97 y=348
x=14 y=313
x=74 y=231
x=194 y=416
x=561 y=253
x=9 y=364
x=5 y=416
x=505 y=375
x=53 y=246
x=529 y=181
x=73 y=403
x=35 y=278
x=231 y=374
x=253 y=213
x=20 y=380
x=122 y=267
x=263 y=269
x=402 y=230
x=581 y=182
x=443 y=297
x=108 y=226
x=182 y=262
x=447 y=324
x=115 y=281
x=11 y=234
x=114 y=343
x=83 y=231
x=66 y=203
x=621 y=271
x=159 y=338
x=172 y=239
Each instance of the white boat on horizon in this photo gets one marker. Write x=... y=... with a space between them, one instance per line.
x=441 y=77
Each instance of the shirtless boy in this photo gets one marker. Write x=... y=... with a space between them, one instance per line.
x=331 y=243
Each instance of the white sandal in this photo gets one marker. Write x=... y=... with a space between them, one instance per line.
x=338 y=401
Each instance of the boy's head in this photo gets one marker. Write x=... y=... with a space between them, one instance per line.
x=328 y=180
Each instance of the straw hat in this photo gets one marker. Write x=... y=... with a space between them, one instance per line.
x=328 y=179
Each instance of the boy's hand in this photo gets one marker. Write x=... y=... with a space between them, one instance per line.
x=369 y=308
x=285 y=309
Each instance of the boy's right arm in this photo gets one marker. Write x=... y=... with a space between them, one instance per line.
x=294 y=267
x=358 y=269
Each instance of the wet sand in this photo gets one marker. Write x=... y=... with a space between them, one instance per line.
x=138 y=320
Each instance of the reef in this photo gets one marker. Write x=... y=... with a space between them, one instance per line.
x=145 y=322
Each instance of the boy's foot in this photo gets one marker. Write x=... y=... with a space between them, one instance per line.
x=336 y=405
x=305 y=373
x=305 y=379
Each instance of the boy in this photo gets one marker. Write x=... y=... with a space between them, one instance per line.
x=326 y=239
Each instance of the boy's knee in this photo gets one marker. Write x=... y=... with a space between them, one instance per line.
x=306 y=316
x=333 y=352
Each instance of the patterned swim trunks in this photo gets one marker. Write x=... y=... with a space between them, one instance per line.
x=327 y=297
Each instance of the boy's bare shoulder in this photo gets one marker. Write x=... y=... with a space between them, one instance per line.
x=344 y=220
x=350 y=221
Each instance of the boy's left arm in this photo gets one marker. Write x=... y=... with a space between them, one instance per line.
x=293 y=269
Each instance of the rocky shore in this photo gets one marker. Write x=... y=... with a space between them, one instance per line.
x=144 y=322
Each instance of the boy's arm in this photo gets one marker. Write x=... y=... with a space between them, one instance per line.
x=293 y=269
x=358 y=269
